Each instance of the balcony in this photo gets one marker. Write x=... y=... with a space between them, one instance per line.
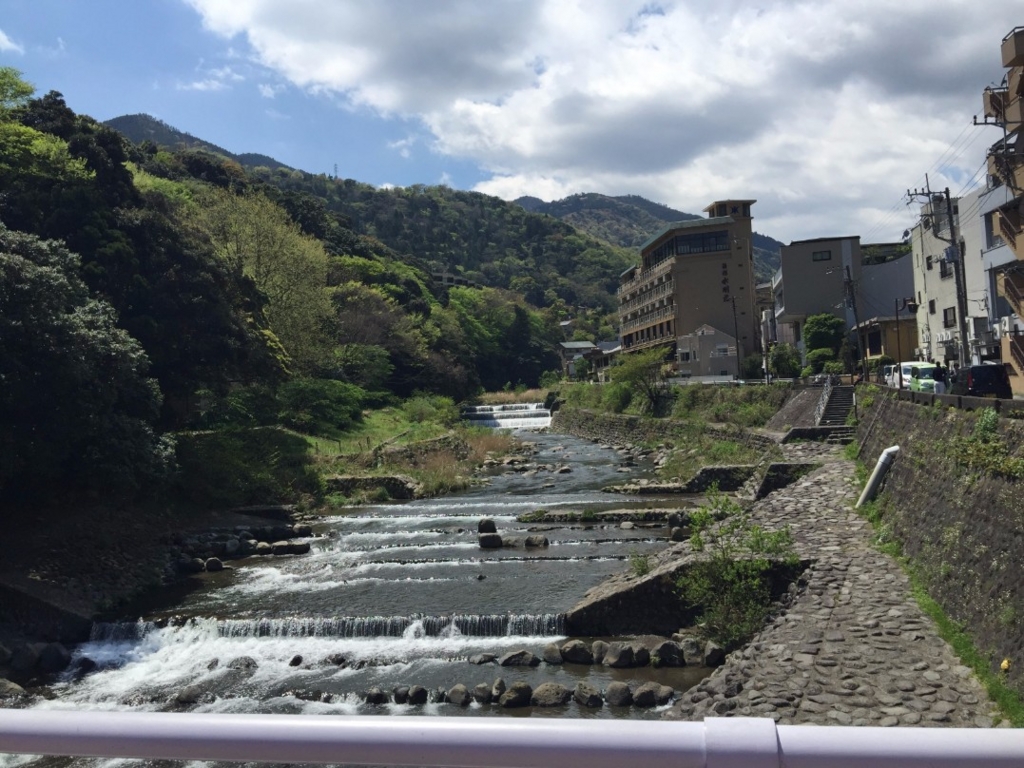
x=994 y=103
x=1010 y=285
x=647 y=276
x=665 y=313
x=1006 y=165
x=1013 y=48
x=1010 y=227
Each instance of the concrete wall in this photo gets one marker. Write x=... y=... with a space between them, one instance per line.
x=963 y=531
x=617 y=429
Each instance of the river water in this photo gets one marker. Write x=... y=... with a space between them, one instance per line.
x=401 y=592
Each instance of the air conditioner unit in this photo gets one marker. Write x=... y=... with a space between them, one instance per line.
x=1005 y=325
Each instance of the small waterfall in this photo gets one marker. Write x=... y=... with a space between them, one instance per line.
x=511 y=416
x=494 y=625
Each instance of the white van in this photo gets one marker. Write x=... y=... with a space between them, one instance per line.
x=894 y=375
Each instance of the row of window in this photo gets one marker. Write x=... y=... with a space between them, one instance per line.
x=682 y=245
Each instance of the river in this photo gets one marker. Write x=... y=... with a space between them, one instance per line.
x=399 y=594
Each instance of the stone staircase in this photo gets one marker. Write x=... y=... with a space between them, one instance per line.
x=838 y=407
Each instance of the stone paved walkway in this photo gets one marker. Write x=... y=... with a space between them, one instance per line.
x=853 y=648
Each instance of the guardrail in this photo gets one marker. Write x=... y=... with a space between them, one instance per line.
x=499 y=743
x=826 y=393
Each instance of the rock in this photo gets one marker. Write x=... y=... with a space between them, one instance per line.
x=482 y=693
x=714 y=655
x=418 y=695
x=620 y=655
x=213 y=664
x=668 y=654
x=438 y=695
x=518 y=695
x=550 y=695
x=587 y=695
x=84 y=666
x=9 y=690
x=641 y=656
x=664 y=694
x=482 y=658
x=536 y=541
x=232 y=547
x=459 y=695
x=302 y=530
x=677 y=534
x=646 y=695
x=519 y=659
x=674 y=520
x=281 y=548
x=400 y=694
x=298 y=548
x=243 y=662
x=577 y=652
x=490 y=541
x=263 y=548
x=598 y=651
x=376 y=697
x=53 y=657
x=552 y=655
x=190 y=694
x=337 y=659
x=497 y=689
x=214 y=564
x=618 y=694
x=190 y=565
x=563 y=470
x=693 y=654
x=296 y=660
x=486 y=525
x=510 y=542
x=25 y=658
x=626 y=525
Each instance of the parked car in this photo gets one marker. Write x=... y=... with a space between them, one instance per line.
x=894 y=376
x=885 y=375
x=922 y=377
x=985 y=380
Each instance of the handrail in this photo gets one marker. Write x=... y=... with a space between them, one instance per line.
x=500 y=743
x=826 y=393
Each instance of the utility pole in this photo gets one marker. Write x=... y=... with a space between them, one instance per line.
x=959 y=270
x=736 y=330
x=852 y=295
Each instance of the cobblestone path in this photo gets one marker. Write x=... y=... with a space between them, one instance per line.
x=853 y=648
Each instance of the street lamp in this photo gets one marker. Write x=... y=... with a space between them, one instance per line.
x=912 y=306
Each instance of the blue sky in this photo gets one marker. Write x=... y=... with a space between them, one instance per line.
x=825 y=112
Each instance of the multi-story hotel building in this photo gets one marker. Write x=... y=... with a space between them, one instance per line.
x=693 y=273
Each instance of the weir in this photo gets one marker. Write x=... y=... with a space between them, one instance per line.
x=509 y=416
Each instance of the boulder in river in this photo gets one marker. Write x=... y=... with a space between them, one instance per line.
x=490 y=541
x=498 y=688
x=646 y=695
x=486 y=525
x=418 y=695
x=401 y=694
x=618 y=694
x=519 y=659
x=587 y=695
x=536 y=541
x=668 y=654
x=459 y=695
x=518 y=695
x=54 y=657
x=376 y=697
x=552 y=655
x=620 y=655
x=599 y=649
x=482 y=693
x=714 y=655
x=550 y=695
x=577 y=652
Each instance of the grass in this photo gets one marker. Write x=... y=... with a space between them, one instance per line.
x=506 y=398
x=639 y=564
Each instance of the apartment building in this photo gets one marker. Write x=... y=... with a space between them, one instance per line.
x=811 y=280
x=691 y=274
x=1002 y=210
x=708 y=352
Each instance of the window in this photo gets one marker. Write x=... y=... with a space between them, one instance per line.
x=702 y=243
x=684 y=357
x=945 y=269
x=928 y=262
x=949 y=317
x=821 y=256
x=931 y=306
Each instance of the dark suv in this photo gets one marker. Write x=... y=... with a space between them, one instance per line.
x=982 y=381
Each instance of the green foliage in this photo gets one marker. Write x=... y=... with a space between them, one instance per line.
x=824 y=331
x=807 y=371
x=642 y=373
x=236 y=467
x=536 y=516
x=76 y=406
x=833 y=368
x=986 y=450
x=732 y=586
x=639 y=563
x=784 y=361
x=320 y=406
x=616 y=397
x=745 y=406
x=986 y=428
x=431 y=408
x=14 y=91
x=550 y=379
x=753 y=367
x=818 y=358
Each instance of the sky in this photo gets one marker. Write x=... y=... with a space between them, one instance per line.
x=825 y=112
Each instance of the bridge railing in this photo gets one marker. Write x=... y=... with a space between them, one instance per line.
x=500 y=743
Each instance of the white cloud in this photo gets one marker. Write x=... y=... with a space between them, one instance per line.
x=9 y=46
x=267 y=91
x=403 y=146
x=825 y=112
x=216 y=79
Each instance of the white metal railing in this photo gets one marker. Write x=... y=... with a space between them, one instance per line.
x=826 y=393
x=501 y=743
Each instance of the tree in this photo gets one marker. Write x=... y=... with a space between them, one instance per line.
x=14 y=91
x=824 y=331
x=643 y=373
x=76 y=405
x=784 y=361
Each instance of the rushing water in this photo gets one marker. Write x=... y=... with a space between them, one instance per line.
x=400 y=592
x=511 y=416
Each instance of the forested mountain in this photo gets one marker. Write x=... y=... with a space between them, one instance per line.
x=629 y=220
x=141 y=128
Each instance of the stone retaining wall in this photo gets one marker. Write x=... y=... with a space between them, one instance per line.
x=963 y=531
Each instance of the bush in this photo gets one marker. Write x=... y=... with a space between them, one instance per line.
x=616 y=397
x=807 y=372
x=834 y=368
x=320 y=406
x=817 y=358
x=431 y=408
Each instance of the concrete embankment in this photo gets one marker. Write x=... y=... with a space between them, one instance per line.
x=852 y=647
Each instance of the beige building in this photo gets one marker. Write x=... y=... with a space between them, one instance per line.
x=1004 y=224
x=693 y=273
x=707 y=352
